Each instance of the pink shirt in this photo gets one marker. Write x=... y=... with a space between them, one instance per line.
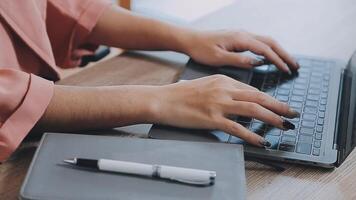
x=37 y=37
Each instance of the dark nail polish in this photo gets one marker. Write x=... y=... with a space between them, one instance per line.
x=288 y=125
x=294 y=114
x=298 y=65
x=265 y=143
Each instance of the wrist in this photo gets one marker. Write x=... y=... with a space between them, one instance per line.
x=184 y=38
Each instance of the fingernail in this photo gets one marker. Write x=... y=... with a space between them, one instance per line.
x=297 y=64
x=265 y=143
x=257 y=62
x=288 y=125
x=294 y=113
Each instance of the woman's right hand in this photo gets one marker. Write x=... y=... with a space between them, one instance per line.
x=209 y=102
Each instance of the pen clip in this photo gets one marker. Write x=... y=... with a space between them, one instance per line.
x=202 y=183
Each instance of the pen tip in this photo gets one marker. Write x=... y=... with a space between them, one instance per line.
x=70 y=161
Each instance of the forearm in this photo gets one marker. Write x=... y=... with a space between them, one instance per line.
x=121 y=28
x=85 y=108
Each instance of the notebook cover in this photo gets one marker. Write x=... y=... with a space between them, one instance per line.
x=49 y=178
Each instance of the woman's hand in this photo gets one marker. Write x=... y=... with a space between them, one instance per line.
x=221 y=48
x=209 y=102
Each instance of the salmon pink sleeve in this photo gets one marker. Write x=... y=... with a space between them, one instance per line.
x=69 y=22
x=24 y=99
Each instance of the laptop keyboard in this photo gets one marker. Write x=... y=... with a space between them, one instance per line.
x=306 y=92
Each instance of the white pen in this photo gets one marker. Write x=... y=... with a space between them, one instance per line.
x=180 y=174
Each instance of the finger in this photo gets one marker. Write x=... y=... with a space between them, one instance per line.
x=292 y=63
x=238 y=130
x=254 y=110
x=228 y=81
x=264 y=50
x=266 y=101
x=239 y=60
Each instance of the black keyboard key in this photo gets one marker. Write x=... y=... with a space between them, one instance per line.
x=318 y=136
x=304 y=148
x=306 y=131
x=316 y=152
x=287 y=147
x=310 y=110
x=305 y=139
x=317 y=143
x=311 y=103
x=309 y=117
x=274 y=140
x=319 y=129
x=297 y=98
x=308 y=124
x=288 y=139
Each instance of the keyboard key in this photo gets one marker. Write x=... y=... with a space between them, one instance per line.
x=295 y=104
x=297 y=98
x=318 y=136
x=308 y=124
x=286 y=147
x=300 y=86
x=288 y=139
x=320 y=121
x=323 y=102
x=304 y=148
x=290 y=132
x=282 y=98
x=319 y=129
x=311 y=103
x=316 y=152
x=321 y=114
x=309 y=117
x=315 y=86
x=324 y=95
x=235 y=140
x=274 y=140
x=306 y=131
x=310 y=110
x=220 y=136
x=256 y=126
x=283 y=92
x=286 y=86
x=274 y=131
x=298 y=92
x=296 y=109
x=305 y=139
x=313 y=97
x=317 y=143
x=314 y=92
x=322 y=108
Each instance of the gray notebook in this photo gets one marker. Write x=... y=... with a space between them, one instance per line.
x=49 y=178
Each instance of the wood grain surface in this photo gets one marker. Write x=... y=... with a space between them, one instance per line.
x=325 y=28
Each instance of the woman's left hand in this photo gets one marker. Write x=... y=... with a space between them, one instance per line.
x=219 y=48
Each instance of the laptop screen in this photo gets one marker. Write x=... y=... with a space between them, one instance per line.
x=347 y=122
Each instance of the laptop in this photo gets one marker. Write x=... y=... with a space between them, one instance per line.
x=323 y=91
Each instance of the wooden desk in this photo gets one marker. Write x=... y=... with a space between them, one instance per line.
x=318 y=27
